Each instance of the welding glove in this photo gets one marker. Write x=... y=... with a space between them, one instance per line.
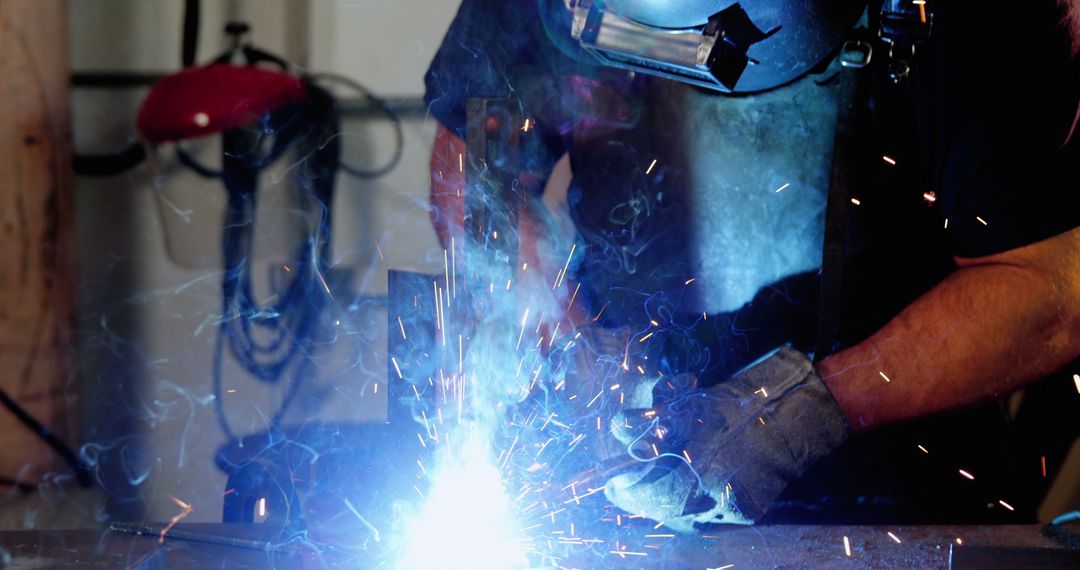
x=722 y=455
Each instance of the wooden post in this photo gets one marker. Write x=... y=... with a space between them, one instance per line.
x=36 y=224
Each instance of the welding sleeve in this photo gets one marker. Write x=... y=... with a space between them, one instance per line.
x=722 y=455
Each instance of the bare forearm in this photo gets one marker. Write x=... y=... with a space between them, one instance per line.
x=985 y=331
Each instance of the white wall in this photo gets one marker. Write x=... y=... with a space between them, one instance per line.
x=144 y=340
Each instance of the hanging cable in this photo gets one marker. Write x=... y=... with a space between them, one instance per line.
x=382 y=106
x=276 y=340
x=190 y=42
x=45 y=434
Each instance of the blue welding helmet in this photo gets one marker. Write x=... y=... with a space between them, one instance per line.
x=731 y=47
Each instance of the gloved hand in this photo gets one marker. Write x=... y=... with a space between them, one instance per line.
x=722 y=455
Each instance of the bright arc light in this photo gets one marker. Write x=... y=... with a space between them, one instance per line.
x=467 y=520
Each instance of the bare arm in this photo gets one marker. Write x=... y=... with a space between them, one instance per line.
x=447 y=186
x=992 y=326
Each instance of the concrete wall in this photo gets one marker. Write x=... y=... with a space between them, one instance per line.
x=149 y=272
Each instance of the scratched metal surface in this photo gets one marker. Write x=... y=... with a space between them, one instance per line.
x=782 y=547
x=95 y=549
x=797 y=547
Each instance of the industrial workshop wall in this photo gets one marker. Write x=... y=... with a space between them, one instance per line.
x=148 y=250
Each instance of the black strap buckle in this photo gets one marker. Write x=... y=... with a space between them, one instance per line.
x=904 y=24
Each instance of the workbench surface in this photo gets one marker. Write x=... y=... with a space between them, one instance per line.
x=207 y=546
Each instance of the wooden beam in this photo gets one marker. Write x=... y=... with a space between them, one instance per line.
x=36 y=224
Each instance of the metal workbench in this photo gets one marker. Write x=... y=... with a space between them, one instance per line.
x=240 y=547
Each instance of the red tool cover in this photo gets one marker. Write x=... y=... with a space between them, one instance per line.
x=206 y=100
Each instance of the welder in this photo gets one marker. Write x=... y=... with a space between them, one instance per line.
x=884 y=190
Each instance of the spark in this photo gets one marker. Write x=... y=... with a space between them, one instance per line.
x=946 y=223
x=923 y=449
x=655 y=451
x=646 y=337
x=1006 y=505
x=574 y=296
x=847 y=546
x=1044 y=467
x=286 y=268
x=894 y=537
x=981 y=221
x=659 y=536
x=524 y=320
x=930 y=197
x=689 y=281
x=884 y=376
x=649 y=170
x=597 y=317
x=1076 y=380
x=724 y=567
x=186 y=510
x=526 y=127
x=958 y=541
x=922 y=9
x=230 y=391
x=396 y=367
x=856 y=201
x=614 y=387
x=446 y=274
x=562 y=274
x=377 y=250
x=625 y=553
x=968 y=475
x=889 y=160
x=687 y=456
x=461 y=162
x=784 y=187
x=325 y=286
x=764 y=394
x=401 y=325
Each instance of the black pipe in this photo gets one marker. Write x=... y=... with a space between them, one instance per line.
x=109 y=164
x=46 y=435
x=191 y=32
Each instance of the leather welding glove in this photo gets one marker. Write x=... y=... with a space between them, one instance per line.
x=722 y=455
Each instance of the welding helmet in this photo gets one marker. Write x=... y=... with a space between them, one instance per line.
x=731 y=47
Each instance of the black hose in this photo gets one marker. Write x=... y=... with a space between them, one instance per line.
x=191 y=33
x=109 y=164
x=46 y=435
